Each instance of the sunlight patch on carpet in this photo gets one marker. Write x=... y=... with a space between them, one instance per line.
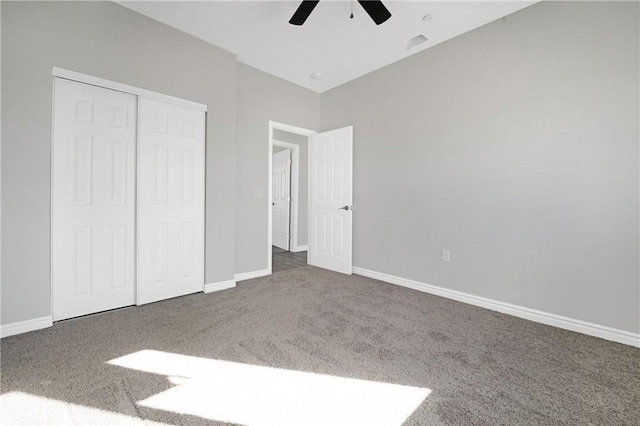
x=19 y=408
x=254 y=395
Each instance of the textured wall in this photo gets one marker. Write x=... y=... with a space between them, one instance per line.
x=515 y=146
x=262 y=98
x=105 y=40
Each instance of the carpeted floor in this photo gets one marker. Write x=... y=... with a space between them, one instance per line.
x=278 y=250
x=285 y=260
x=482 y=367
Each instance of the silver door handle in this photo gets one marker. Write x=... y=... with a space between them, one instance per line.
x=345 y=208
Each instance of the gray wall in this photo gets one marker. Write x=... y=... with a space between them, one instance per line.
x=262 y=98
x=515 y=146
x=105 y=40
x=303 y=179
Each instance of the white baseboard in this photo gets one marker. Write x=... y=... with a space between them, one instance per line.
x=223 y=285
x=253 y=274
x=608 y=333
x=25 y=326
x=297 y=249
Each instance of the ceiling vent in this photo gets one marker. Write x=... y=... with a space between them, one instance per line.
x=419 y=39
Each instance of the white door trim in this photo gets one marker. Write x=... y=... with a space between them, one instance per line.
x=292 y=129
x=108 y=84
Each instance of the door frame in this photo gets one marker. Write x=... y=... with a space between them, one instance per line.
x=294 y=208
x=120 y=87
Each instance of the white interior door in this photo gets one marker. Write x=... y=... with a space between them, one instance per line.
x=170 y=201
x=281 y=205
x=330 y=195
x=93 y=199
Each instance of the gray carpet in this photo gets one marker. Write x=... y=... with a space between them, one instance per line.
x=482 y=367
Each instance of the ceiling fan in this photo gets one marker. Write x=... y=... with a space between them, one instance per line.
x=376 y=10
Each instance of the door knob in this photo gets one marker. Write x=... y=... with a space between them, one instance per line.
x=345 y=208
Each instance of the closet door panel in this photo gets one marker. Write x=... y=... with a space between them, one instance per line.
x=170 y=201
x=93 y=199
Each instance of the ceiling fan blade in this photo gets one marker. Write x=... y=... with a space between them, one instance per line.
x=303 y=12
x=378 y=12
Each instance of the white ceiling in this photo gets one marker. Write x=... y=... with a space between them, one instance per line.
x=342 y=49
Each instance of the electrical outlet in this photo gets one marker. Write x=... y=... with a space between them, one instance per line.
x=446 y=256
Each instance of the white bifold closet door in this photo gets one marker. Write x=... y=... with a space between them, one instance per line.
x=170 y=200
x=93 y=199
x=110 y=151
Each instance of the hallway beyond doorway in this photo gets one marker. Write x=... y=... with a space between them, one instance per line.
x=283 y=260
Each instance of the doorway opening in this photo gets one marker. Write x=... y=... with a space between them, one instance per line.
x=288 y=196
